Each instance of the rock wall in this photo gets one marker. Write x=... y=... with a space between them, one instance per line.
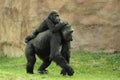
x=96 y=23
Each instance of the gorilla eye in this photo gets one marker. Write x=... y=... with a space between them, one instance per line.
x=56 y=15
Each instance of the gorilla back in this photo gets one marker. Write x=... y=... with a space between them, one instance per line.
x=41 y=44
x=42 y=41
x=46 y=46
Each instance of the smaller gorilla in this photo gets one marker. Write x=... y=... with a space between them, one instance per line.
x=44 y=44
x=49 y=23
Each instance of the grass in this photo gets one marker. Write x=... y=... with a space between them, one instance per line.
x=87 y=66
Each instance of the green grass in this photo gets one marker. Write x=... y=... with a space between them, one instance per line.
x=87 y=66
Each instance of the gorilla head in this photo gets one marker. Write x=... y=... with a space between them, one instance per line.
x=67 y=33
x=54 y=17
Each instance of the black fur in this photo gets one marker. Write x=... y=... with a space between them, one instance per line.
x=49 y=23
x=46 y=46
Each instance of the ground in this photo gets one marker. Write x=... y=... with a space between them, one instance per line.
x=87 y=66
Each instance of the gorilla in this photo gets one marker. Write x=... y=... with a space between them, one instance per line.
x=49 y=23
x=49 y=48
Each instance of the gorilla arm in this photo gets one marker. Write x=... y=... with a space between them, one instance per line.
x=48 y=24
x=39 y=29
x=57 y=57
x=65 y=51
x=55 y=45
x=59 y=26
x=55 y=27
x=45 y=25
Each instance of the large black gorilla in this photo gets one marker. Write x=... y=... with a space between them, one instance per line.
x=47 y=47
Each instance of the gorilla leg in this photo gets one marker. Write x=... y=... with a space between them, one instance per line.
x=44 y=65
x=65 y=51
x=56 y=56
x=31 y=59
x=66 y=57
x=64 y=65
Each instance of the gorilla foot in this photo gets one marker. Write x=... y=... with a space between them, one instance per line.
x=63 y=72
x=69 y=70
x=43 y=71
x=30 y=72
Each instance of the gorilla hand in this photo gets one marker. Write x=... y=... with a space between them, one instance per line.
x=59 y=26
x=63 y=23
x=29 y=37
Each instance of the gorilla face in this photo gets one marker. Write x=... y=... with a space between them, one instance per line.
x=67 y=33
x=54 y=17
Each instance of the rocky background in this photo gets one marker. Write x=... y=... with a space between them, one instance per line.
x=96 y=23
